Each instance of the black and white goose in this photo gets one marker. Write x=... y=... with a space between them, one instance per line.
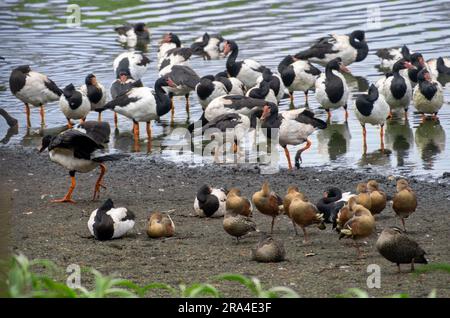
x=208 y=89
x=108 y=222
x=331 y=87
x=428 y=95
x=247 y=71
x=208 y=46
x=95 y=92
x=418 y=63
x=262 y=90
x=210 y=202
x=169 y=41
x=332 y=201
x=232 y=84
x=298 y=75
x=439 y=67
x=276 y=85
x=34 y=89
x=294 y=128
x=390 y=56
x=141 y=104
x=372 y=109
x=99 y=131
x=78 y=152
x=396 y=87
x=135 y=63
x=132 y=34
x=181 y=80
x=74 y=104
x=176 y=56
x=350 y=48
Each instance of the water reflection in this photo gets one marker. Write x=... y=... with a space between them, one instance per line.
x=399 y=137
x=356 y=83
x=334 y=141
x=430 y=139
x=375 y=158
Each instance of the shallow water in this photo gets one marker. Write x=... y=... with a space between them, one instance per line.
x=35 y=33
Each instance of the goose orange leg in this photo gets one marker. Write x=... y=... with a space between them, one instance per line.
x=99 y=119
x=136 y=136
x=382 y=138
x=390 y=115
x=346 y=112
x=187 y=103
x=406 y=113
x=149 y=136
x=288 y=157
x=68 y=196
x=364 y=139
x=69 y=123
x=99 y=184
x=172 y=106
x=27 y=112
x=115 y=120
x=328 y=115
x=298 y=156
x=42 y=112
x=291 y=97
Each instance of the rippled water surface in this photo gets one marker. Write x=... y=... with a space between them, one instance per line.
x=36 y=33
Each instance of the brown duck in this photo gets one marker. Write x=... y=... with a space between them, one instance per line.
x=405 y=201
x=363 y=196
x=238 y=204
x=268 y=250
x=160 y=225
x=304 y=214
x=378 y=197
x=238 y=225
x=343 y=216
x=397 y=247
x=292 y=193
x=267 y=202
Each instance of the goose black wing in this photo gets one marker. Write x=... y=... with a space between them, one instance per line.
x=223 y=122
x=239 y=102
x=307 y=117
x=184 y=75
x=318 y=49
x=99 y=131
x=82 y=145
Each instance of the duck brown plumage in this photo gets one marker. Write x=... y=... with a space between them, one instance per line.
x=304 y=214
x=378 y=197
x=405 y=201
x=160 y=225
x=267 y=202
x=238 y=204
x=363 y=197
x=268 y=250
x=292 y=193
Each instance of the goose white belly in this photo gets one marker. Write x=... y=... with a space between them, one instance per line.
x=212 y=48
x=384 y=86
x=77 y=113
x=35 y=93
x=432 y=66
x=143 y=110
x=321 y=94
x=379 y=113
x=303 y=80
x=101 y=102
x=121 y=227
x=270 y=97
x=237 y=88
x=345 y=51
x=65 y=158
x=389 y=63
x=221 y=196
x=294 y=133
x=162 y=52
x=423 y=105
x=247 y=74
x=219 y=91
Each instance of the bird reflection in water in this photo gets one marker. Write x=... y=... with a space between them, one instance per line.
x=430 y=139
x=399 y=137
x=334 y=141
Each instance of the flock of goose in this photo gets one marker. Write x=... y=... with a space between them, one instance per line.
x=242 y=97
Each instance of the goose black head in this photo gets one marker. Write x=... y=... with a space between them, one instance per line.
x=90 y=79
x=68 y=90
x=140 y=27
x=173 y=38
x=359 y=35
x=401 y=65
x=423 y=75
x=417 y=59
x=46 y=140
x=25 y=69
x=268 y=110
x=267 y=75
x=221 y=74
x=336 y=64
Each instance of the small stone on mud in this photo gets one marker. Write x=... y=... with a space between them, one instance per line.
x=310 y=254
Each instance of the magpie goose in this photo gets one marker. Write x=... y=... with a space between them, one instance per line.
x=208 y=89
x=169 y=41
x=135 y=63
x=74 y=104
x=428 y=94
x=208 y=46
x=132 y=34
x=95 y=92
x=210 y=202
x=176 y=56
x=439 y=66
x=108 y=222
x=390 y=56
x=262 y=90
x=232 y=84
x=34 y=89
x=332 y=201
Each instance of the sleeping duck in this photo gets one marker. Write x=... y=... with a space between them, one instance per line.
x=160 y=225
x=210 y=202
x=267 y=202
x=268 y=250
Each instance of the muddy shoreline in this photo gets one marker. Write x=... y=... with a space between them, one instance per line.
x=200 y=248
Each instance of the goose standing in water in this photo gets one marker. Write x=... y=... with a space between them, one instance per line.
x=169 y=41
x=331 y=87
x=208 y=89
x=298 y=75
x=428 y=95
x=262 y=90
x=396 y=88
x=232 y=84
x=372 y=108
x=74 y=104
x=294 y=128
x=390 y=56
x=34 y=89
x=418 y=63
x=247 y=71
x=176 y=56
x=350 y=48
x=208 y=46
x=439 y=66
x=95 y=92
x=141 y=104
x=133 y=34
x=134 y=63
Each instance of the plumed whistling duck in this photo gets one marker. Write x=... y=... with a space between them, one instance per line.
x=372 y=108
x=304 y=214
x=350 y=48
x=74 y=104
x=268 y=202
x=34 y=89
x=132 y=34
x=331 y=87
x=298 y=75
x=247 y=71
x=295 y=126
x=390 y=56
x=210 y=202
x=378 y=197
x=108 y=222
x=160 y=225
x=232 y=84
x=363 y=196
x=397 y=247
x=268 y=250
x=439 y=66
x=95 y=92
x=428 y=95
x=134 y=63
x=78 y=152
x=208 y=46
x=238 y=204
x=168 y=42
x=292 y=193
x=405 y=201
x=208 y=89
x=238 y=225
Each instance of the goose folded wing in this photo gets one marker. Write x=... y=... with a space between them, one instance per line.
x=224 y=122
x=52 y=87
x=307 y=117
x=183 y=75
x=83 y=145
x=239 y=102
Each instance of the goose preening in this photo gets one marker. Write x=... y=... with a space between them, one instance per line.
x=390 y=56
x=268 y=203
x=160 y=225
x=74 y=104
x=262 y=90
x=207 y=46
x=396 y=87
x=232 y=84
x=247 y=71
x=134 y=63
x=405 y=201
x=350 y=48
x=372 y=108
x=131 y=34
x=276 y=85
x=78 y=152
x=208 y=89
x=181 y=81
x=108 y=222
x=298 y=75
x=294 y=128
x=95 y=92
x=169 y=41
x=34 y=89
x=331 y=87
x=268 y=250
x=428 y=95
x=210 y=202
x=439 y=67
x=331 y=203
x=303 y=213
x=141 y=104
x=176 y=56
x=99 y=131
x=397 y=247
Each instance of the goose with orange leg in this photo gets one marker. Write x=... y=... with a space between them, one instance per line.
x=404 y=201
x=74 y=104
x=268 y=203
x=34 y=89
x=95 y=92
x=294 y=128
x=428 y=95
x=142 y=104
x=372 y=108
x=79 y=152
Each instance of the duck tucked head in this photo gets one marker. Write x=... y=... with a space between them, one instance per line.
x=203 y=192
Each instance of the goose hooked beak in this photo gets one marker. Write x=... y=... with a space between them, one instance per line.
x=343 y=68
x=226 y=48
x=266 y=112
x=408 y=65
x=171 y=83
